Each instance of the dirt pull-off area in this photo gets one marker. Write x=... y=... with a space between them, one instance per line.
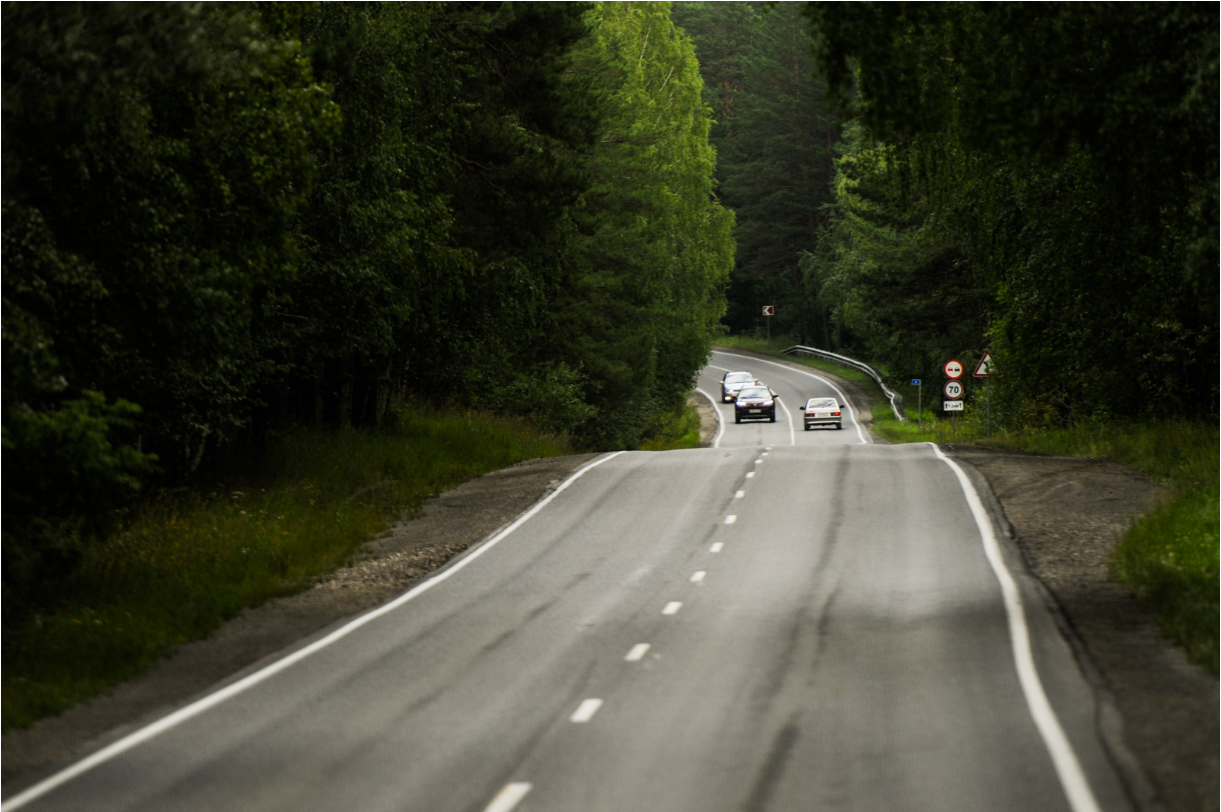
x=1067 y=515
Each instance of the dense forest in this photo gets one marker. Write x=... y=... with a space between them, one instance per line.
x=225 y=221
x=1037 y=180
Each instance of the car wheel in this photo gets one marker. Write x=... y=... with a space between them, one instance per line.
x=839 y=426
x=772 y=419
x=737 y=418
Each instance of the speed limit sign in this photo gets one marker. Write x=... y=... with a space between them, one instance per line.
x=953 y=390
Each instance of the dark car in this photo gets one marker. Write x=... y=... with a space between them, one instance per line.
x=732 y=382
x=755 y=403
x=822 y=412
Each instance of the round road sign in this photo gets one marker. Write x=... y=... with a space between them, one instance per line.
x=953 y=389
x=953 y=369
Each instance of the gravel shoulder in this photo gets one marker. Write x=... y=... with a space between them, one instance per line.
x=384 y=568
x=1159 y=712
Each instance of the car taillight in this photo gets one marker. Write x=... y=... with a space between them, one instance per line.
x=835 y=414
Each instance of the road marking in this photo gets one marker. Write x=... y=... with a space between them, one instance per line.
x=739 y=494
x=759 y=461
x=750 y=474
x=730 y=519
x=843 y=398
x=717 y=547
x=698 y=577
x=789 y=415
x=672 y=608
x=585 y=711
x=212 y=700
x=764 y=454
x=510 y=796
x=720 y=422
x=1072 y=778
x=637 y=652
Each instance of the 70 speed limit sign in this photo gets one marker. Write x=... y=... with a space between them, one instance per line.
x=953 y=390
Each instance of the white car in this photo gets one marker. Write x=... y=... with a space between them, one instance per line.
x=822 y=412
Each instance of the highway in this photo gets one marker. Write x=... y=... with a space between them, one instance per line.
x=789 y=621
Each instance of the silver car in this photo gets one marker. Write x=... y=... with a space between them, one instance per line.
x=822 y=412
x=732 y=383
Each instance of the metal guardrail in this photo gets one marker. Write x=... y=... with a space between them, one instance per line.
x=896 y=400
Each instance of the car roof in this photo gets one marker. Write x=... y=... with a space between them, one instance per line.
x=737 y=374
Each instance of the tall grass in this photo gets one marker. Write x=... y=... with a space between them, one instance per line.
x=191 y=559
x=681 y=431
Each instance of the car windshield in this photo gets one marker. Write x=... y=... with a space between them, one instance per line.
x=738 y=377
x=754 y=392
x=823 y=403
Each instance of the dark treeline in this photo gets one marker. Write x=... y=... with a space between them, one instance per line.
x=1037 y=180
x=776 y=147
x=224 y=221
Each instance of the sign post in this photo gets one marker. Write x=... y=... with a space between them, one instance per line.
x=986 y=369
x=919 y=403
x=769 y=311
x=954 y=391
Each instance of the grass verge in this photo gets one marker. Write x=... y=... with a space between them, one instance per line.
x=191 y=559
x=1169 y=557
x=777 y=346
x=682 y=431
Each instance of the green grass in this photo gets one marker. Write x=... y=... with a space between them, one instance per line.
x=1169 y=556
x=682 y=431
x=191 y=559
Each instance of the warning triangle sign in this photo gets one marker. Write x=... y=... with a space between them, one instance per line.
x=986 y=368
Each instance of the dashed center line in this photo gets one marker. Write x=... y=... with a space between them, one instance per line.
x=730 y=519
x=750 y=474
x=698 y=577
x=637 y=653
x=510 y=795
x=758 y=461
x=672 y=608
x=586 y=711
x=716 y=548
x=739 y=494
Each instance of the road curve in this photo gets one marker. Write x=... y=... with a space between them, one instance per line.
x=794 y=620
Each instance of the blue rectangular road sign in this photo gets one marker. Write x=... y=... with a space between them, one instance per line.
x=915 y=381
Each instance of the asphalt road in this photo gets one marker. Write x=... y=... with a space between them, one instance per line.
x=792 y=620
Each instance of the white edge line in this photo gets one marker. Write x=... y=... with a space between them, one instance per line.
x=859 y=431
x=792 y=433
x=1068 y=768
x=212 y=700
x=720 y=422
x=509 y=797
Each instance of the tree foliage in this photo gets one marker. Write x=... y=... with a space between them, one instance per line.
x=222 y=221
x=1039 y=180
x=776 y=145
